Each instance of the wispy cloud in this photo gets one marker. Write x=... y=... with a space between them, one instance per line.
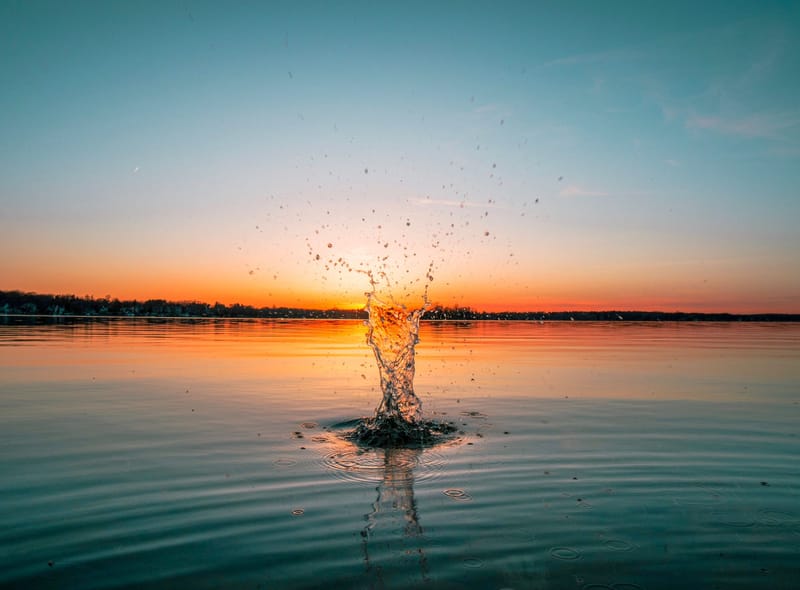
x=785 y=151
x=732 y=120
x=577 y=191
x=492 y=111
x=755 y=125
x=424 y=202
x=612 y=55
x=486 y=108
x=744 y=98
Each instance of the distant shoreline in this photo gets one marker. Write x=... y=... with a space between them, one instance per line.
x=577 y=317
x=21 y=304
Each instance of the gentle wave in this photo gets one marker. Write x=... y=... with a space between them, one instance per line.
x=186 y=478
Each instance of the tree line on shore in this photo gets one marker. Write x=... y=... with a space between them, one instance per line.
x=21 y=303
x=36 y=304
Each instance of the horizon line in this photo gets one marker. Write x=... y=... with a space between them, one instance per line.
x=28 y=303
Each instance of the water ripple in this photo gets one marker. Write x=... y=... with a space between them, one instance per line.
x=456 y=494
x=619 y=545
x=375 y=465
x=775 y=518
x=565 y=553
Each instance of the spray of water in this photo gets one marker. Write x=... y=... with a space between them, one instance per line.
x=395 y=305
x=393 y=333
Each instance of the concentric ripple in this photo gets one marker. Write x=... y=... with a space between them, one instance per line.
x=775 y=518
x=732 y=519
x=456 y=494
x=375 y=465
x=565 y=553
x=473 y=562
x=619 y=545
x=282 y=462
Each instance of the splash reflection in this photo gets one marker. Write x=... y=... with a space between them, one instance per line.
x=392 y=538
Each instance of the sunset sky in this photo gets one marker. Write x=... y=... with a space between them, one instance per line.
x=541 y=156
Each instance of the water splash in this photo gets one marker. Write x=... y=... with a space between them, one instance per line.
x=393 y=333
x=394 y=312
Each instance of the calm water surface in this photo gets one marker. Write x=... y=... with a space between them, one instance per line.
x=206 y=454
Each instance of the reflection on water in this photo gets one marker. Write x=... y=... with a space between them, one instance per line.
x=392 y=540
x=395 y=509
x=153 y=454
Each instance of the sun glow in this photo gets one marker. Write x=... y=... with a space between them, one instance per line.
x=351 y=305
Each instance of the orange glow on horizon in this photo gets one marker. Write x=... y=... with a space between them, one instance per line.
x=477 y=301
x=541 y=291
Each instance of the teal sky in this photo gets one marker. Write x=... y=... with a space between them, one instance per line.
x=542 y=155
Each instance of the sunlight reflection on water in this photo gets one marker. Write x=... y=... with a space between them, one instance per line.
x=146 y=454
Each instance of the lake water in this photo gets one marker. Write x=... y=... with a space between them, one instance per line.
x=207 y=454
